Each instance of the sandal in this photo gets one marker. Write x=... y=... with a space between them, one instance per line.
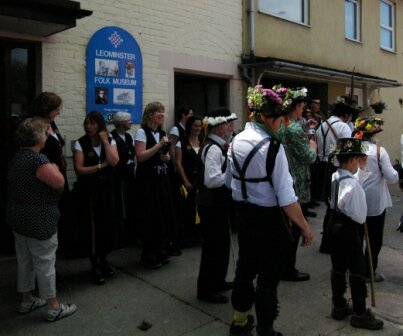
x=27 y=307
x=65 y=309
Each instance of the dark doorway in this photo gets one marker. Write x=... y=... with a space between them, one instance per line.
x=19 y=75
x=201 y=92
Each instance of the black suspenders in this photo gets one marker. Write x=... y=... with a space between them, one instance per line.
x=270 y=161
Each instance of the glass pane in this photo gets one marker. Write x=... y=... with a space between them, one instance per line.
x=19 y=81
x=386 y=14
x=350 y=20
x=386 y=38
x=290 y=9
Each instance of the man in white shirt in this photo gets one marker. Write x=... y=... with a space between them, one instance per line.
x=262 y=188
x=213 y=200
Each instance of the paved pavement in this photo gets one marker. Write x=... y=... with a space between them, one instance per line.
x=166 y=298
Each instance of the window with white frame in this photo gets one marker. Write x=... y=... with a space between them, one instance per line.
x=387 y=19
x=352 y=15
x=293 y=10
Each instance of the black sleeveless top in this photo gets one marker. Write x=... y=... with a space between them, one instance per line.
x=154 y=165
x=126 y=153
x=91 y=158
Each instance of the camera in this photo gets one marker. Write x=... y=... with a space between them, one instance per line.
x=165 y=149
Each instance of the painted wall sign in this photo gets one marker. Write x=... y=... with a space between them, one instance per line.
x=114 y=74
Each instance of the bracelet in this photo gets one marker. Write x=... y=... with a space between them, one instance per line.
x=99 y=166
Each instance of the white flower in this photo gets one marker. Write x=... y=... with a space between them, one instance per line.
x=219 y=120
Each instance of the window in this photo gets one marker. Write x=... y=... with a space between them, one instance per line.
x=352 y=19
x=387 y=18
x=293 y=10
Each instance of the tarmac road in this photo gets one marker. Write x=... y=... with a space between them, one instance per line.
x=166 y=298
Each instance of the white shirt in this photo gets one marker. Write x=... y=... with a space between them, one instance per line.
x=141 y=136
x=376 y=185
x=97 y=149
x=213 y=162
x=261 y=193
x=351 y=196
x=340 y=128
x=175 y=131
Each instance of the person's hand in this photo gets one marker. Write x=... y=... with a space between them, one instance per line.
x=307 y=236
x=55 y=166
x=164 y=140
x=165 y=157
x=313 y=144
x=188 y=185
x=103 y=136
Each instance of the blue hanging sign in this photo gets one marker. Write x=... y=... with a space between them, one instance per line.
x=114 y=74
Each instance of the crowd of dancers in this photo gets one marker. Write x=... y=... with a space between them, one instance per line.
x=171 y=191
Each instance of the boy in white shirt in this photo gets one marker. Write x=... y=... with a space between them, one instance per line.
x=349 y=212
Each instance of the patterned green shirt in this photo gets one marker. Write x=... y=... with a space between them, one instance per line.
x=300 y=156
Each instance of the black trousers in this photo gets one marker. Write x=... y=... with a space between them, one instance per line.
x=292 y=253
x=263 y=248
x=346 y=251
x=375 y=225
x=215 y=250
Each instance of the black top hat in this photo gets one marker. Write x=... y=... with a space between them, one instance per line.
x=345 y=105
x=349 y=146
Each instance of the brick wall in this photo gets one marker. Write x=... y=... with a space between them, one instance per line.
x=201 y=28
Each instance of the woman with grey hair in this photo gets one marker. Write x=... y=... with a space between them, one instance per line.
x=35 y=186
x=124 y=173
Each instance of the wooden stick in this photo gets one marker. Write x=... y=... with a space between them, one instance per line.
x=371 y=267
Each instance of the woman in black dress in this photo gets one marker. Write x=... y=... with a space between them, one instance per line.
x=95 y=156
x=186 y=164
x=46 y=107
x=158 y=216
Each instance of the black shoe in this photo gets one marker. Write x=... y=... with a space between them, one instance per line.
x=173 y=252
x=296 y=276
x=152 y=261
x=107 y=269
x=213 y=298
x=242 y=330
x=308 y=213
x=366 y=321
x=226 y=286
x=340 y=313
x=312 y=204
x=98 y=276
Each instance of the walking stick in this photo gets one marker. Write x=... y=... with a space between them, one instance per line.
x=371 y=267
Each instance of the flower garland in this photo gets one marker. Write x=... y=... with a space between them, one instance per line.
x=215 y=121
x=298 y=93
x=369 y=125
x=258 y=96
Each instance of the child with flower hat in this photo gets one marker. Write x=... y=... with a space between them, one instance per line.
x=262 y=187
x=375 y=187
x=346 y=249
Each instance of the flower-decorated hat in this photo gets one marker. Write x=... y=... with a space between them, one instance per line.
x=268 y=102
x=298 y=95
x=349 y=146
x=345 y=105
x=219 y=116
x=367 y=125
